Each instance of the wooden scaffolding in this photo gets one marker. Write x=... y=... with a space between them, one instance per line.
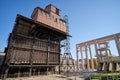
x=33 y=47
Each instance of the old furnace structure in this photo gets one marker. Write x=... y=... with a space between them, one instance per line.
x=34 y=44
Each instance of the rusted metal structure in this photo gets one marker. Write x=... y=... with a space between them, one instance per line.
x=34 y=44
x=85 y=48
x=67 y=63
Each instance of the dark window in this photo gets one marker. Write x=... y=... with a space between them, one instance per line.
x=57 y=11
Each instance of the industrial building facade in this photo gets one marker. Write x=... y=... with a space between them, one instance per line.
x=34 y=44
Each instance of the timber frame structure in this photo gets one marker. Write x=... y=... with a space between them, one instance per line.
x=34 y=44
x=85 y=48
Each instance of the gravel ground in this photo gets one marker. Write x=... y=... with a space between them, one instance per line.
x=48 y=77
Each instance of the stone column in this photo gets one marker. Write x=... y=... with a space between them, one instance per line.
x=82 y=58
x=86 y=52
x=92 y=65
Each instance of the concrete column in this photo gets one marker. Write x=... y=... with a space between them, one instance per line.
x=77 y=56
x=81 y=52
x=96 y=51
x=92 y=65
x=86 y=52
x=117 y=44
x=98 y=59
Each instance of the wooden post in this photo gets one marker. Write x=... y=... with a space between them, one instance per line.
x=38 y=71
x=34 y=71
x=32 y=52
x=59 y=58
x=19 y=72
x=47 y=69
x=30 y=72
x=5 y=74
x=48 y=50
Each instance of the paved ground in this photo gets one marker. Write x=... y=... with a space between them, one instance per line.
x=48 y=77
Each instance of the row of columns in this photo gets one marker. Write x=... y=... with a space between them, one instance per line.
x=79 y=51
x=87 y=48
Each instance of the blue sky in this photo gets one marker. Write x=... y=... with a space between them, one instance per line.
x=88 y=19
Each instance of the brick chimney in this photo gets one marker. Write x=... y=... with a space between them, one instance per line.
x=52 y=10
